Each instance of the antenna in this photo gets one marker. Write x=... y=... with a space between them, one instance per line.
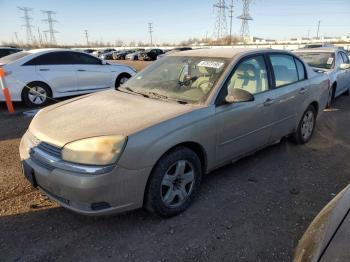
x=231 y=16
x=220 y=30
x=27 y=23
x=50 y=21
x=245 y=17
x=150 y=30
x=87 y=37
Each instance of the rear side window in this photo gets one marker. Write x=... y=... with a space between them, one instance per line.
x=284 y=69
x=53 y=58
x=84 y=59
x=301 y=69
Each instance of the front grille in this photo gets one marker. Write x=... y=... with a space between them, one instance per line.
x=49 y=149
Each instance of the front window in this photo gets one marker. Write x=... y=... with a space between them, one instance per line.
x=184 y=79
x=319 y=60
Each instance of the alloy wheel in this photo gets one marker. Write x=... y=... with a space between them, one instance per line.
x=307 y=125
x=37 y=95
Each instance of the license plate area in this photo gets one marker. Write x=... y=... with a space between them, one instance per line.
x=28 y=173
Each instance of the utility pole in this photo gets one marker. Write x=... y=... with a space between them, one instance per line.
x=16 y=37
x=27 y=24
x=318 y=28
x=50 y=21
x=231 y=16
x=87 y=37
x=150 y=30
x=40 y=39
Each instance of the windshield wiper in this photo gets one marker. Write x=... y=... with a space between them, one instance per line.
x=162 y=96
x=131 y=91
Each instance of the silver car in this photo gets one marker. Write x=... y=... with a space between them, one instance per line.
x=149 y=143
x=335 y=63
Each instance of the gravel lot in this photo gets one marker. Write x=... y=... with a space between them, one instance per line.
x=253 y=210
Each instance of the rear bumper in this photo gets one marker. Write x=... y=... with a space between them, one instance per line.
x=116 y=191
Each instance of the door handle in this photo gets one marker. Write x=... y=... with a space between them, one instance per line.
x=44 y=69
x=269 y=102
x=81 y=70
x=302 y=90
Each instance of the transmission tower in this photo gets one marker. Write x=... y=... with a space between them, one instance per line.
x=220 y=30
x=150 y=31
x=50 y=21
x=245 y=17
x=27 y=24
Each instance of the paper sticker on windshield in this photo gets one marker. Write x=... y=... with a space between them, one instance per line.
x=212 y=64
x=330 y=61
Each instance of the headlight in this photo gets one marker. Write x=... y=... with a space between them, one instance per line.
x=102 y=150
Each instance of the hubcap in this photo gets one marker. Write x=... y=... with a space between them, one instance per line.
x=177 y=183
x=123 y=80
x=307 y=125
x=37 y=95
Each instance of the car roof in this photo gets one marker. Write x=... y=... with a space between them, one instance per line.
x=39 y=50
x=224 y=52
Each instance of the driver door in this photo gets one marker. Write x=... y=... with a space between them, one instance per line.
x=244 y=127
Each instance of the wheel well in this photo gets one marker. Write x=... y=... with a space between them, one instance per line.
x=335 y=88
x=120 y=76
x=315 y=105
x=33 y=83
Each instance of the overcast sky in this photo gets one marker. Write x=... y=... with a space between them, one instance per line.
x=173 y=20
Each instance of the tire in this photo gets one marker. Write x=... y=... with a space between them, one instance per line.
x=121 y=79
x=36 y=94
x=167 y=194
x=306 y=126
x=331 y=97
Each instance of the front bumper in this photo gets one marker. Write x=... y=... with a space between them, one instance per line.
x=116 y=191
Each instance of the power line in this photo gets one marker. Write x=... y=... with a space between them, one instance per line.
x=245 y=17
x=220 y=29
x=87 y=37
x=50 y=21
x=150 y=31
x=27 y=23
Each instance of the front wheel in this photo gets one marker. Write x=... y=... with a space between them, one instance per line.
x=36 y=94
x=174 y=183
x=121 y=79
x=331 y=95
x=306 y=126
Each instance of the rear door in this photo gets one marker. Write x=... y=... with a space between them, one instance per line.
x=55 y=68
x=290 y=89
x=92 y=74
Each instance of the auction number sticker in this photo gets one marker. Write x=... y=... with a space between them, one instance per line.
x=212 y=64
x=330 y=61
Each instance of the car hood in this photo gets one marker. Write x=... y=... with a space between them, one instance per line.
x=104 y=113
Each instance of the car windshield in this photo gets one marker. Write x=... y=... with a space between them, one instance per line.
x=319 y=60
x=183 y=79
x=10 y=58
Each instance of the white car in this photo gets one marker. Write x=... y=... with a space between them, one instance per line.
x=332 y=61
x=35 y=76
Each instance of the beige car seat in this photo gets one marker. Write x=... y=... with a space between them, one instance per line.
x=247 y=77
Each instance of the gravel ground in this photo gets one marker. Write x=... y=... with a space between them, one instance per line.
x=253 y=210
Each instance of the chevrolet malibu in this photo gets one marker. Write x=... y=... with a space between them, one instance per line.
x=149 y=143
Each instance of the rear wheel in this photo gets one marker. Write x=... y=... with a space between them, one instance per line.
x=306 y=126
x=174 y=183
x=36 y=94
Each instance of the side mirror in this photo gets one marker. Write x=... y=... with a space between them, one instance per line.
x=344 y=66
x=239 y=95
